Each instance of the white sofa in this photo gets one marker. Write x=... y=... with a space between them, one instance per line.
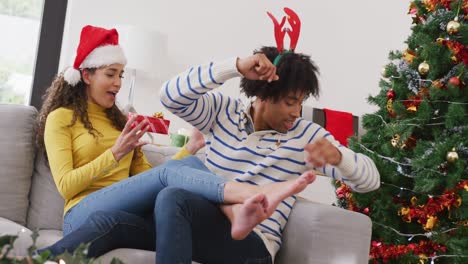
x=315 y=233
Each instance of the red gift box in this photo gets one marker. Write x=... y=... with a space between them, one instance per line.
x=156 y=125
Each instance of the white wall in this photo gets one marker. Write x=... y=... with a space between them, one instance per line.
x=349 y=41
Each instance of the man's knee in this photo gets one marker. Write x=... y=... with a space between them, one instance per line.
x=170 y=201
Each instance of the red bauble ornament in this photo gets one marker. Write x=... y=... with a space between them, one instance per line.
x=366 y=210
x=376 y=244
x=390 y=94
x=455 y=81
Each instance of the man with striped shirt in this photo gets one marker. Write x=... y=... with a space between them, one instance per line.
x=259 y=142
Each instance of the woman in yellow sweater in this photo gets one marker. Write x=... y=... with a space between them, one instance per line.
x=92 y=151
x=87 y=139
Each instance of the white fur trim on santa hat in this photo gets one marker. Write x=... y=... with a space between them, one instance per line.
x=72 y=76
x=103 y=56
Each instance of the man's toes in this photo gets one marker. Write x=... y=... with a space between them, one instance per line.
x=309 y=176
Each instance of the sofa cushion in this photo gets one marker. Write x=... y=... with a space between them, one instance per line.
x=157 y=155
x=17 y=158
x=46 y=204
x=47 y=237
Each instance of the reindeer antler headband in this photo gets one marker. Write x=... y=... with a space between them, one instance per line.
x=280 y=32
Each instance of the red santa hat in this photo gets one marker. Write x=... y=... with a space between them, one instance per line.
x=98 y=47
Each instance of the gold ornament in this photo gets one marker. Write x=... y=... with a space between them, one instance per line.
x=430 y=5
x=453 y=26
x=383 y=72
x=389 y=104
x=452 y=156
x=431 y=221
x=404 y=212
x=395 y=140
x=409 y=55
x=412 y=109
x=423 y=68
x=422 y=259
x=390 y=107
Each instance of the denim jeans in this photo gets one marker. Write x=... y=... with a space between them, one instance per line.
x=121 y=215
x=137 y=195
x=108 y=230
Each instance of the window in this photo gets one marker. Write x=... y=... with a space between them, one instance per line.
x=32 y=33
x=20 y=21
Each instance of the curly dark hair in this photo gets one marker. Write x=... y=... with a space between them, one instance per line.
x=62 y=94
x=297 y=73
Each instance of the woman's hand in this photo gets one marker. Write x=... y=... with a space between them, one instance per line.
x=129 y=139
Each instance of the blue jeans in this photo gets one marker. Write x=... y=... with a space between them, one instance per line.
x=137 y=195
x=121 y=214
x=108 y=230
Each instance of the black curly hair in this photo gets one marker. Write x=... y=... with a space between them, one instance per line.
x=297 y=74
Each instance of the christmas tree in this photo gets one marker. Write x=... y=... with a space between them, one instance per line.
x=418 y=139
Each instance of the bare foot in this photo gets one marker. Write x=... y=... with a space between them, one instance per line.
x=196 y=141
x=277 y=192
x=248 y=215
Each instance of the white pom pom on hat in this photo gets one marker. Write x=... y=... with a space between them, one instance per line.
x=72 y=76
x=98 y=47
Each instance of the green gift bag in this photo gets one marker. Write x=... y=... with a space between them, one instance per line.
x=179 y=140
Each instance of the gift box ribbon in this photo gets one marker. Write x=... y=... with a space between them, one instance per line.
x=156 y=125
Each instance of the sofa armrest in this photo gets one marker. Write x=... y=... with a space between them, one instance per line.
x=317 y=233
x=24 y=240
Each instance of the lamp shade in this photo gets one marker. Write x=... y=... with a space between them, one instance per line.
x=146 y=50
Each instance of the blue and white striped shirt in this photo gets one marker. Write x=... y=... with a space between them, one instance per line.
x=256 y=157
